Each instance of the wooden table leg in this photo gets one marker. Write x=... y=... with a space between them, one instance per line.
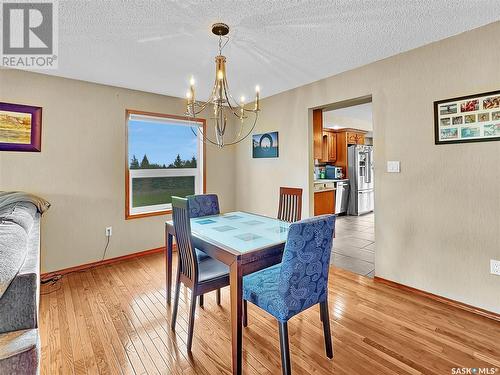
x=168 y=259
x=236 y=284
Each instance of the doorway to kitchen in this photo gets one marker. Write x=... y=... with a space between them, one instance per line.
x=344 y=180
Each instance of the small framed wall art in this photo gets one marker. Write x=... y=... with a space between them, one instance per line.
x=20 y=127
x=265 y=145
x=473 y=118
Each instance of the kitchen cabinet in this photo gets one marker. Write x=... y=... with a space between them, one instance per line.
x=346 y=137
x=324 y=202
x=355 y=138
x=318 y=134
x=329 y=151
x=329 y=146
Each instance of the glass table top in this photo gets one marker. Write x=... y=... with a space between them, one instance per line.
x=241 y=231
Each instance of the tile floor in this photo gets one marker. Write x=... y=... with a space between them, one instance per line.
x=354 y=244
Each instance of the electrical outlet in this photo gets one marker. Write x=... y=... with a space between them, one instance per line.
x=495 y=267
x=109 y=231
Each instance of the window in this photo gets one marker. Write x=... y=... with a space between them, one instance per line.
x=165 y=158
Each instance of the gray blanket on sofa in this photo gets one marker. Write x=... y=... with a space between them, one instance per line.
x=17 y=215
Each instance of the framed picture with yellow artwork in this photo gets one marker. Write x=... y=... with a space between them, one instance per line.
x=20 y=127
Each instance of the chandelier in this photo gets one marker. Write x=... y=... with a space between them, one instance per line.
x=224 y=105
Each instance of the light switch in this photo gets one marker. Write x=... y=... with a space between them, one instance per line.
x=393 y=166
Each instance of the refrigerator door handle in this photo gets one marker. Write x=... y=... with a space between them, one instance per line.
x=368 y=167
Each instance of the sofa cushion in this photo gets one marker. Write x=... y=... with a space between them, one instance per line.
x=13 y=249
x=16 y=224
x=19 y=302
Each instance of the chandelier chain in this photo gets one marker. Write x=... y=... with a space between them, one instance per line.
x=221 y=46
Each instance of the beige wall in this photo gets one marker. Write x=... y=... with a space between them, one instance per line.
x=81 y=169
x=438 y=221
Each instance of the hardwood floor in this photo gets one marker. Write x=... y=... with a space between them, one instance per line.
x=112 y=319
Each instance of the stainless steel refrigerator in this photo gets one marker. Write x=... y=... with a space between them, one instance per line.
x=360 y=167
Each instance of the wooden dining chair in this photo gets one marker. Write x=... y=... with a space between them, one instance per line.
x=199 y=276
x=290 y=208
x=203 y=205
x=298 y=282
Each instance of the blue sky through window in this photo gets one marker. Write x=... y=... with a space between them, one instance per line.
x=161 y=142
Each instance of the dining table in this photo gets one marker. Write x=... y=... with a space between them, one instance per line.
x=246 y=243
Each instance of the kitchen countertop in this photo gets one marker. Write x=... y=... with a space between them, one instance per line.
x=325 y=181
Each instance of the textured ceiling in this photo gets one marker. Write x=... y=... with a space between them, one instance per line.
x=156 y=45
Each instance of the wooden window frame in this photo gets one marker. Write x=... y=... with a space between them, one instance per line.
x=129 y=112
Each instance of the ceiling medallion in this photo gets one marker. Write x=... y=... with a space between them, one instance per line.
x=224 y=105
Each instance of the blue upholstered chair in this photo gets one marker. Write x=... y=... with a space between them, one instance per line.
x=298 y=282
x=203 y=205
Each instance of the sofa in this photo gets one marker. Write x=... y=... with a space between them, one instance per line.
x=20 y=216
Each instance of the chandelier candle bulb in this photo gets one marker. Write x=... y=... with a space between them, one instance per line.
x=242 y=108
x=189 y=97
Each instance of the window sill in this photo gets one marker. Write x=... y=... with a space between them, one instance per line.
x=147 y=214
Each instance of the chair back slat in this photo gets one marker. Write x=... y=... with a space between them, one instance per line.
x=203 y=205
x=188 y=262
x=290 y=206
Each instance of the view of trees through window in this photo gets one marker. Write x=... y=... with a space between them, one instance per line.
x=163 y=159
x=177 y=163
